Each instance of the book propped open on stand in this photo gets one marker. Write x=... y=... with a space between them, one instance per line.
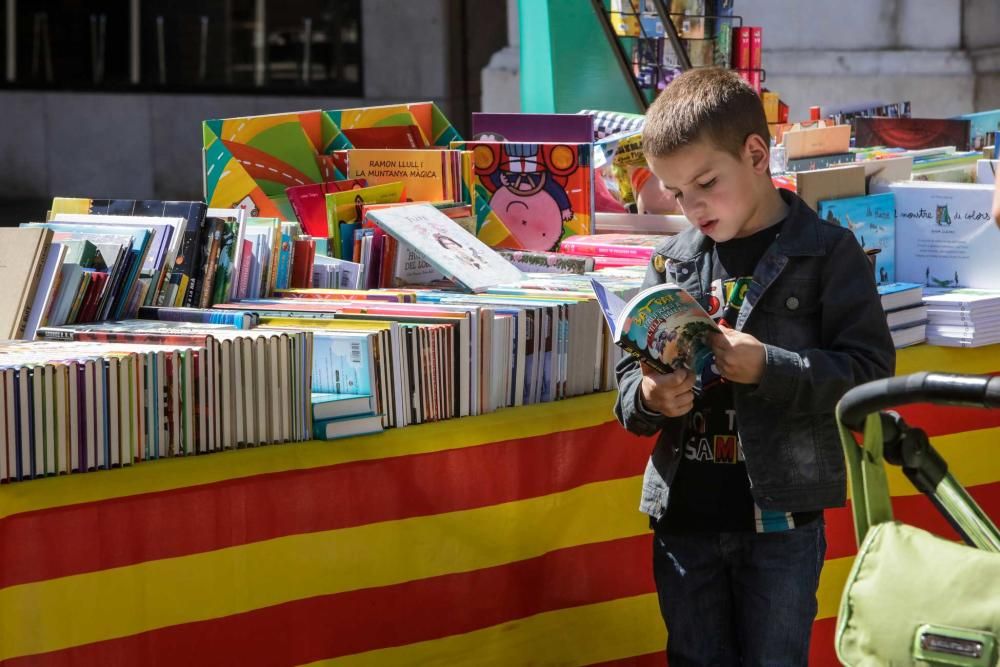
x=662 y=326
x=445 y=245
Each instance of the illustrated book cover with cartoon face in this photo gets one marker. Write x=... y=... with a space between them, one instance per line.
x=540 y=192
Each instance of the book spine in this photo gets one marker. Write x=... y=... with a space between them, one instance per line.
x=756 y=40
x=605 y=250
x=819 y=162
x=741 y=54
x=245 y=270
x=36 y=276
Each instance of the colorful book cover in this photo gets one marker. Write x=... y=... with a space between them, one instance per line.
x=540 y=193
x=663 y=326
x=434 y=127
x=345 y=208
x=248 y=162
x=613 y=245
x=426 y=174
x=570 y=128
x=984 y=127
x=444 y=244
x=945 y=234
x=819 y=162
x=911 y=133
x=309 y=202
x=872 y=220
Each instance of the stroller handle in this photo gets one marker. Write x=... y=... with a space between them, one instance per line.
x=982 y=391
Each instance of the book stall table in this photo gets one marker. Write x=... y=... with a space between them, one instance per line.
x=509 y=538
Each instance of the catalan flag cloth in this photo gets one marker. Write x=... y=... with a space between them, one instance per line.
x=504 y=539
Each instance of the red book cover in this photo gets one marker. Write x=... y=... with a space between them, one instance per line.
x=88 y=311
x=397 y=136
x=309 y=202
x=302 y=266
x=756 y=38
x=755 y=80
x=741 y=54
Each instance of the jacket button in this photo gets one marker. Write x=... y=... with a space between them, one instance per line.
x=792 y=303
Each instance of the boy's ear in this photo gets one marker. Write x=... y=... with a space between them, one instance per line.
x=759 y=153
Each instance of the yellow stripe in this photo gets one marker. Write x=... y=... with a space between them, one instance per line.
x=948 y=359
x=968 y=456
x=80 y=609
x=576 y=636
x=153 y=476
x=584 y=635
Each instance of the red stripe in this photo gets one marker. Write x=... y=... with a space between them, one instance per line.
x=347 y=623
x=822 y=650
x=938 y=420
x=94 y=536
x=914 y=510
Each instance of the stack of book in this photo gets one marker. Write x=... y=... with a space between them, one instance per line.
x=338 y=416
x=963 y=317
x=904 y=312
x=611 y=250
x=816 y=147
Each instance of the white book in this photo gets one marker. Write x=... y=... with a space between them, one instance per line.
x=126 y=410
x=261 y=408
x=945 y=234
x=226 y=407
x=333 y=429
x=100 y=414
x=45 y=292
x=4 y=456
x=113 y=405
x=73 y=416
x=908 y=336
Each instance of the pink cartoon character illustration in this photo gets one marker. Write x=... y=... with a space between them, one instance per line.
x=527 y=186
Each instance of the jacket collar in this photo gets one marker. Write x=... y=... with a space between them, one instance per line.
x=800 y=236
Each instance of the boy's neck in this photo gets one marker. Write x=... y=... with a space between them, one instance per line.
x=771 y=209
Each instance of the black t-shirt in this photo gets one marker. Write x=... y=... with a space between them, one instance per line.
x=711 y=491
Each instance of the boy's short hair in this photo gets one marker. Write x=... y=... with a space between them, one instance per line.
x=708 y=103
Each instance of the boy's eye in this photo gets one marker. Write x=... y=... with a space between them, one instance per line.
x=707 y=185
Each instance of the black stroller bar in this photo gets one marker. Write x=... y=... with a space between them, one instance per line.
x=982 y=391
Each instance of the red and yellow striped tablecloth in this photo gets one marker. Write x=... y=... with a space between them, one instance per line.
x=510 y=538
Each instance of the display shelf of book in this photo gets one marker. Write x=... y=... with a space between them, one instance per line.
x=640 y=47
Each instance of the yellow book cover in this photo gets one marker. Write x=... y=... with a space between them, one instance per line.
x=424 y=173
x=345 y=208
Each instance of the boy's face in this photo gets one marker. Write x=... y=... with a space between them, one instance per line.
x=716 y=190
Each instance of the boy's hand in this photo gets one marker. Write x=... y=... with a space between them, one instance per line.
x=670 y=394
x=739 y=356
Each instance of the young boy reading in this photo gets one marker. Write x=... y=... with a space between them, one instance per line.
x=748 y=454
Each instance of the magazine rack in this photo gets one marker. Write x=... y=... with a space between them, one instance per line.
x=646 y=72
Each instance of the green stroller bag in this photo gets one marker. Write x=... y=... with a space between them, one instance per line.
x=913 y=598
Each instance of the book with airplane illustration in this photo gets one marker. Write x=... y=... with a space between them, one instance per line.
x=872 y=219
x=663 y=326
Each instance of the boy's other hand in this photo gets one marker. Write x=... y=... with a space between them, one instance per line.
x=739 y=356
x=670 y=394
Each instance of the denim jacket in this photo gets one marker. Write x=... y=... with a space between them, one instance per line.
x=814 y=305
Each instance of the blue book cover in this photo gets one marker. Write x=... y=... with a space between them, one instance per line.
x=872 y=219
x=340 y=364
x=984 y=128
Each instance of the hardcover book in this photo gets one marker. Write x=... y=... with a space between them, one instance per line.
x=540 y=193
x=444 y=244
x=533 y=127
x=945 y=234
x=872 y=219
x=662 y=326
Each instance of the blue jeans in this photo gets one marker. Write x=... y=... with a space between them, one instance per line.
x=739 y=598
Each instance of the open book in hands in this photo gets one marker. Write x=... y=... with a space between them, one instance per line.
x=663 y=326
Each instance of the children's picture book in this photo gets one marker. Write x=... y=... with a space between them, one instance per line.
x=945 y=234
x=445 y=245
x=872 y=220
x=413 y=125
x=614 y=245
x=344 y=213
x=984 y=126
x=911 y=133
x=309 y=204
x=541 y=193
x=539 y=261
x=663 y=326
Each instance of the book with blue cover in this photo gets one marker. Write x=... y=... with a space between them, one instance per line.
x=341 y=364
x=872 y=219
x=335 y=406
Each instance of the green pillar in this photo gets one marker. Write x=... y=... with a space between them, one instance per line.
x=567 y=63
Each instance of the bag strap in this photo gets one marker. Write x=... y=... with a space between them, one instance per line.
x=870 y=501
